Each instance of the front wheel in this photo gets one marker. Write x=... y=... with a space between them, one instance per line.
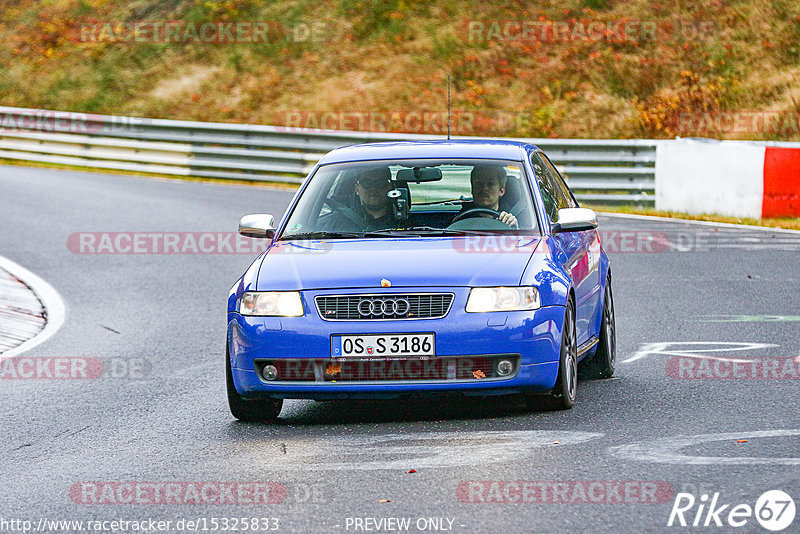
x=565 y=391
x=263 y=410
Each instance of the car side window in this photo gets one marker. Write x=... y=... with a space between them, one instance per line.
x=552 y=194
x=560 y=184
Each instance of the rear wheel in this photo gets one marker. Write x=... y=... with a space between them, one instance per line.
x=565 y=391
x=264 y=410
x=602 y=363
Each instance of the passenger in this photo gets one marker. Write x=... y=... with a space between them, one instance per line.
x=374 y=210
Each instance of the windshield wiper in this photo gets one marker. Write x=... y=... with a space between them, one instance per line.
x=322 y=235
x=424 y=230
x=416 y=231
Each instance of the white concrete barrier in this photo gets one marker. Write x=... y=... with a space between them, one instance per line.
x=734 y=178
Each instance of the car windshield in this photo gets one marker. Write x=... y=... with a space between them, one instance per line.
x=414 y=197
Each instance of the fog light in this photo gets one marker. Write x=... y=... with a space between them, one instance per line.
x=270 y=372
x=504 y=367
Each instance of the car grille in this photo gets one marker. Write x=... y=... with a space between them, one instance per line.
x=385 y=306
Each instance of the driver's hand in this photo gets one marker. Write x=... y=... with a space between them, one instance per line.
x=508 y=219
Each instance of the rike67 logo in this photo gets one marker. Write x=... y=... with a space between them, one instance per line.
x=774 y=510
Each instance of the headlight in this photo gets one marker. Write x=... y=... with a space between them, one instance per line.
x=275 y=303
x=489 y=299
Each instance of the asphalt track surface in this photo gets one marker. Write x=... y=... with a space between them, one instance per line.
x=169 y=422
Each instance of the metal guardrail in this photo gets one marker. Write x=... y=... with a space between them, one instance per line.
x=605 y=171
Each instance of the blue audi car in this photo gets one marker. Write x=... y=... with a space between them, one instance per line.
x=422 y=267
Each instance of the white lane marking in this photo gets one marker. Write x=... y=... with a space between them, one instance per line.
x=702 y=223
x=765 y=246
x=748 y=318
x=661 y=348
x=53 y=304
x=416 y=450
x=667 y=450
x=715 y=358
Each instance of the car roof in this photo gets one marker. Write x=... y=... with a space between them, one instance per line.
x=444 y=149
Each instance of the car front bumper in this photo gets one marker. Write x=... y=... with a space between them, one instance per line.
x=533 y=338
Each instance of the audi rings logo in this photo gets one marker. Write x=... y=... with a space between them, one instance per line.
x=371 y=307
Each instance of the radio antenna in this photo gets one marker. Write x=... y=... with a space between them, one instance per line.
x=448 y=106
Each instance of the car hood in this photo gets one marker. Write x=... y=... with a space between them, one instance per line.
x=405 y=262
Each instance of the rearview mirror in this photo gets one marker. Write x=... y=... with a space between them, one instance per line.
x=257 y=225
x=419 y=174
x=574 y=220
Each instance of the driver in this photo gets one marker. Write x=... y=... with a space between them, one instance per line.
x=374 y=207
x=488 y=185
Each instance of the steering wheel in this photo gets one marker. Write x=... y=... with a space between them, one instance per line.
x=476 y=212
x=345 y=210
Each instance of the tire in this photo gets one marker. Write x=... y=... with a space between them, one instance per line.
x=601 y=365
x=564 y=393
x=262 y=410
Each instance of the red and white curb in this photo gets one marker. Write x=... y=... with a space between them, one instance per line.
x=734 y=178
x=50 y=303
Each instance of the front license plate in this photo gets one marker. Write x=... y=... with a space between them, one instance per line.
x=371 y=345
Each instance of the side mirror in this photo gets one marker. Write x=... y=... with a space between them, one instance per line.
x=257 y=225
x=574 y=220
